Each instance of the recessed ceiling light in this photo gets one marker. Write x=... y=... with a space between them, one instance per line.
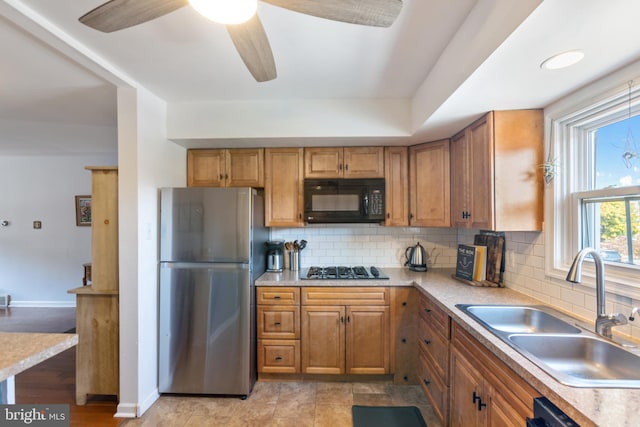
x=562 y=60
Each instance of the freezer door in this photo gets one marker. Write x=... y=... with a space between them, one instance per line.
x=205 y=224
x=206 y=329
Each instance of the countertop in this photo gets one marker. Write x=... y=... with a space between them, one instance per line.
x=587 y=406
x=20 y=351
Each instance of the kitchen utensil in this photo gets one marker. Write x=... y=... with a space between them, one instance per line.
x=416 y=258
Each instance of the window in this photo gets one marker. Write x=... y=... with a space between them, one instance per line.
x=594 y=195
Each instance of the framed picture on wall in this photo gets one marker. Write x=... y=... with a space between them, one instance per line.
x=83 y=210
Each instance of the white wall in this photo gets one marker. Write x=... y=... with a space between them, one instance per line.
x=148 y=161
x=37 y=267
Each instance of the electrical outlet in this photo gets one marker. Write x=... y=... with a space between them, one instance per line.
x=37 y=225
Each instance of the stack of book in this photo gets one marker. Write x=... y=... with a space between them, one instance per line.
x=482 y=263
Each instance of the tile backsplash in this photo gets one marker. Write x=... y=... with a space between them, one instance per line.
x=370 y=244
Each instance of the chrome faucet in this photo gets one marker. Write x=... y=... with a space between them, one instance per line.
x=604 y=321
x=634 y=311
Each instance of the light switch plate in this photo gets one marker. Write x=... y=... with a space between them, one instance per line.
x=37 y=225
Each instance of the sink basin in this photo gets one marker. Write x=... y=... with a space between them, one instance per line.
x=518 y=319
x=580 y=360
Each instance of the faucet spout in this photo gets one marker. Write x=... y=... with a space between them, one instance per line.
x=604 y=322
x=575 y=276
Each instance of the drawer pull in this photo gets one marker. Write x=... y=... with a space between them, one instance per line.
x=427 y=310
x=276 y=297
x=427 y=342
x=276 y=324
x=278 y=358
x=427 y=382
x=342 y=319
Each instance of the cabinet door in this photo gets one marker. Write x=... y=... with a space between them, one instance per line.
x=460 y=180
x=367 y=335
x=283 y=187
x=430 y=184
x=466 y=387
x=506 y=412
x=245 y=168
x=396 y=164
x=205 y=168
x=326 y=162
x=363 y=162
x=481 y=196
x=323 y=339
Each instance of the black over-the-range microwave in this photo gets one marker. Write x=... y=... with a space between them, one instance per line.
x=344 y=200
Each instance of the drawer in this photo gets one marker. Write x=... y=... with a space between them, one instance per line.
x=279 y=356
x=277 y=295
x=437 y=392
x=278 y=322
x=345 y=296
x=434 y=316
x=435 y=348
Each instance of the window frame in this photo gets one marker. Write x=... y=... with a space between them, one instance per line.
x=569 y=128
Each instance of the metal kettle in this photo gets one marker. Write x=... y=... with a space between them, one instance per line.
x=416 y=258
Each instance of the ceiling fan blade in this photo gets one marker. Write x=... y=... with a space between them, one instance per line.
x=253 y=46
x=375 y=13
x=115 y=15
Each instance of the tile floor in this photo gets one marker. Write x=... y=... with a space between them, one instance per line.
x=283 y=404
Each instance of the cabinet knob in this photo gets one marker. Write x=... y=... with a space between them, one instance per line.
x=226 y=176
x=221 y=177
x=341 y=319
x=411 y=216
x=340 y=166
x=427 y=310
x=427 y=342
x=404 y=303
x=426 y=382
x=346 y=167
x=404 y=340
x=388 y=215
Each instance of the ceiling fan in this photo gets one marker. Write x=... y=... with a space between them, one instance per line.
x=248 y=37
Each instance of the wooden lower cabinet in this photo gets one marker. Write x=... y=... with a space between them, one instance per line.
x=484 y=391
x=433 y=334
x=345 y=339
x=278 y=325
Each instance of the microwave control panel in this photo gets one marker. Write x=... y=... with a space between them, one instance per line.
x=376 y=203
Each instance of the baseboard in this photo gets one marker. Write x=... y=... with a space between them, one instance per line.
x=44 y=304
x=131 y=410
x=126 y=410
x=148 y=402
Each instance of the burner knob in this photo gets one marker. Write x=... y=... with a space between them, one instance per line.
x=375 y=272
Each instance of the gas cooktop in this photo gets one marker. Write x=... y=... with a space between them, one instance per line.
x=344 y=273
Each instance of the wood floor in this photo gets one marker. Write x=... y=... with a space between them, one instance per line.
x=53 y=381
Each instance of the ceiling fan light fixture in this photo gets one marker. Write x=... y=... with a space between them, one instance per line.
x=562 y=60
x=227 y=12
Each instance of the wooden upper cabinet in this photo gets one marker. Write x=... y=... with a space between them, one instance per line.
x=496 y=176
x=205 y=168
x=429 y=184
x=396 y=166
x=225 y=168
x=283 y=169
x=344 y=162
x=245 y=167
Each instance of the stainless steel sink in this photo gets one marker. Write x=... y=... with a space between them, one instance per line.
x=549 y=339
x=580 y=360
x=518 y=319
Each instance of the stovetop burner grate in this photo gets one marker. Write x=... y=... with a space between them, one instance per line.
x=344 y=273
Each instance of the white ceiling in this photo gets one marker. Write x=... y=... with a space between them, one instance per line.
x=444 y=63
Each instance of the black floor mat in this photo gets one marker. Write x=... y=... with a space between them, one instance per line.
x=387 y=416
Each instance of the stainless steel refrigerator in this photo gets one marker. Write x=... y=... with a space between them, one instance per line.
x=212 y=249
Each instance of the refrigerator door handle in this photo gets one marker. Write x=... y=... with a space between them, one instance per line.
x=213 y=265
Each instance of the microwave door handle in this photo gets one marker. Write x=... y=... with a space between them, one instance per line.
x=365 y=204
